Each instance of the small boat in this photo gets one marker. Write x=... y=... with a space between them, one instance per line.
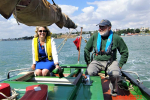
x=73 y=84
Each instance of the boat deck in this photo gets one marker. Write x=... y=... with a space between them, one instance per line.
x=68 y=91
x=67 y=88
x=72 y=87
x=122 y=94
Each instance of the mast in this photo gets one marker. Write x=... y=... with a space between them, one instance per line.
x=80 y=44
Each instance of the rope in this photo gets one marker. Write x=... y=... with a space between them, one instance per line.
x=63 y=42
x=82 y=37
x=16 y=12
x=13 y=97
x=122 y=87
x=3 y=95
x=16 y=16
x=53 y=2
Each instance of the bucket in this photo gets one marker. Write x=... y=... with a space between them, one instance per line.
x=5 y=89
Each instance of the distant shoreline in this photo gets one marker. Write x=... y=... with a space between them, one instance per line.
x=134 y=35
x=69 y=37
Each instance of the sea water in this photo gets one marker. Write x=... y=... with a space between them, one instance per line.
x=18 y=55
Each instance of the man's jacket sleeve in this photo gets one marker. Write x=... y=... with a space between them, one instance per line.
x=123 y=50
x=88 y=48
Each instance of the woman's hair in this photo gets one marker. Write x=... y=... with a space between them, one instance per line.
x=37 y=29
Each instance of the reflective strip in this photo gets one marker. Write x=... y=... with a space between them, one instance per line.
x=36 y=49
x=48 y=47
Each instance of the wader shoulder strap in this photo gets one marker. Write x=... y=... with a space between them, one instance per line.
x=109 y=63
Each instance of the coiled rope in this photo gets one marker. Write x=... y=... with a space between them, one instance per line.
x=12 y=97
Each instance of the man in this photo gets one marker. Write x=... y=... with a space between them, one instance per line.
x=105 y=45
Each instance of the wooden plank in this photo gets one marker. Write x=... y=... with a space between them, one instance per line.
x=56 y=83
x=23 y=73
x=65 y=80
x=77 y=79
x=24 y=77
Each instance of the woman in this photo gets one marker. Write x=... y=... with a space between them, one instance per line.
x=45 y=57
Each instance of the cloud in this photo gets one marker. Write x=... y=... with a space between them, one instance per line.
x=10 y=29
x=68 y=9
x=122 y=14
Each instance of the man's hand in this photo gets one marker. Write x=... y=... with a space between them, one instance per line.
x=87 y=65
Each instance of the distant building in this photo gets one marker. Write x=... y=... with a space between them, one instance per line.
x=142 y=29
x=147 y=28
x=116 y=30
x=122 y=34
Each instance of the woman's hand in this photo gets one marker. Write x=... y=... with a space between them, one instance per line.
x=58 y=67
x=33 y=66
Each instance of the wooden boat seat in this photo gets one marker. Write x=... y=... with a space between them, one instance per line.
x=25 y=77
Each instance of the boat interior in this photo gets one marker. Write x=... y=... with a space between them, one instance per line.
x=73 y=84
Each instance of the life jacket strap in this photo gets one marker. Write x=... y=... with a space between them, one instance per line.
x=109 y=63
x=42 y=58
x=102 y=52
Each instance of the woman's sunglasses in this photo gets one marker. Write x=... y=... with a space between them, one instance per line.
x=42 y=30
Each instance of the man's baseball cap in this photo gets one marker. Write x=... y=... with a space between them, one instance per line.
x=104 y=22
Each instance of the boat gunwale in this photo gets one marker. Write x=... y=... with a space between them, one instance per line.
x=134 y=81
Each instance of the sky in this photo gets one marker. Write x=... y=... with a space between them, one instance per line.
x=87 y=13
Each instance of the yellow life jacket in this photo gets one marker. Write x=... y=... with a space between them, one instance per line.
x=48 y=48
